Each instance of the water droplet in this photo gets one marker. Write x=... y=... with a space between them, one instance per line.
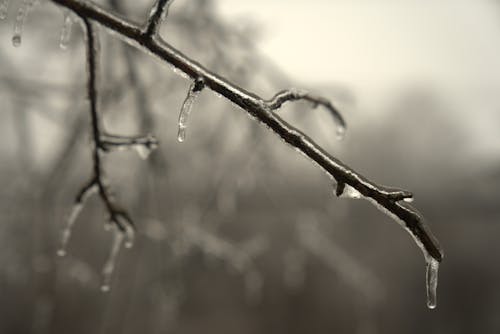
x=4 y=8
x=194 y=91
x=408 y=199
x=432 y=281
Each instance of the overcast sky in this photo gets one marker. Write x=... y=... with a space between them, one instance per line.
x=379 y=40
x=376 y=46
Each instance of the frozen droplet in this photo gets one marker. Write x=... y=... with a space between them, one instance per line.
x=194 y=90
x=65 y=30
x=22 y=14
x=432 y=281
x=143 y=150
x=349 y=192
x=408 y=199
x=4 y=8
x=109 y=266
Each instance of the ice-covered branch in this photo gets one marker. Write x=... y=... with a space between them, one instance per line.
x=393 y=203
x=118 y=219
x=144 y=145
x=157 y=15
x=291 y=95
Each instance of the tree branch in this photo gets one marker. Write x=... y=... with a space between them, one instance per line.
x=262 y=110
x=117 y=216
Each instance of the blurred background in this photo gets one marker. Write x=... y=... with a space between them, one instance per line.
x=237 y=232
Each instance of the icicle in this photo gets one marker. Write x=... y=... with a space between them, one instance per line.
x=4 y=8
x=66 y=30
x=22 y=14
x=195 y=89
x=66 y=234
x=109 y=266
x=432 y=281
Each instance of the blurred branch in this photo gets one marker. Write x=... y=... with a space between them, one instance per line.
x=147 y=39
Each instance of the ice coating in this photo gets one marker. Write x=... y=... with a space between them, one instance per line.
x=187 y=106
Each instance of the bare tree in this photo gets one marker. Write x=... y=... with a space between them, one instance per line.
x=146 y=37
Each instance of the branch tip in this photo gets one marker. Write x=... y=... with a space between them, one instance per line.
x=291 y=95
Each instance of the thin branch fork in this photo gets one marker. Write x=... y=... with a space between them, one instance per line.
x=117 y=216
x=263 y=110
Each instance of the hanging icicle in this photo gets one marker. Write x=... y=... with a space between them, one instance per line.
x=195 y=89
x=22 y=14
x=109 y=266
x=431 y=281
x=66 y=30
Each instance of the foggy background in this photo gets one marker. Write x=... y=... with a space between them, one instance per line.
x=237 y=232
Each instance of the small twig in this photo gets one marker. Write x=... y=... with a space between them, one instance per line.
x=117 y=216
x=291 y=95
x=158 y=14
